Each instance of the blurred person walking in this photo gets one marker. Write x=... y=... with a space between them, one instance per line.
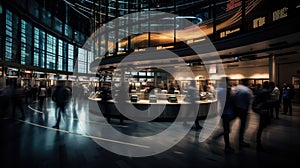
x=242 y=99
x=191 y=97
x=28 y=92
x=42 y=93
x=261 y=105
x=61 y=96
x=227 y=113
x=4 y=102
x=34 y=91
x=17 y=101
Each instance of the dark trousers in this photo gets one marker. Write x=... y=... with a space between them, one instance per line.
x=275 y=107
x=242 y=115
x=17 y=103
x=34 y=96
x=60 y=109
x=287 y=106
x=226 y=120
x=27 y=98
x=264 y=120
x=41 y=101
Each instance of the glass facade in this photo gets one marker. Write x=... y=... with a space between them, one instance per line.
x=11 y=41
x=55 y=43
x=70 y=58
x=51 y=52
x=60 y=55
x=33 y=8
x=90 y=60
x=26 y=42
x=57 y=24
x=39 y=48
x=82 y=60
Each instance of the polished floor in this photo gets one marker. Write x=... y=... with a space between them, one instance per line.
x=33 y=142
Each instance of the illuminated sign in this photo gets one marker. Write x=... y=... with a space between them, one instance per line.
x=227 y=32
x=258 y=22
x=279 y=14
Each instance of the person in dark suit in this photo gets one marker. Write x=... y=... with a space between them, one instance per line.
x=192 y=96
x=263 y=96
x=61 y=96
x=17 y=101
x=228 y=114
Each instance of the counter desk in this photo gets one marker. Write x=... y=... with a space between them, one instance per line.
x=169 y=111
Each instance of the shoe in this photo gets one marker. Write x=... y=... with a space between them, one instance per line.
x=56 y=127
x=244 y=144
x=228 y=150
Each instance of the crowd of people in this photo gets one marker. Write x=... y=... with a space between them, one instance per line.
x=240 y=99
x=14 y=97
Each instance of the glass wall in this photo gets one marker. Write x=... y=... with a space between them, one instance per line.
x=33 y=8
x=36 y=45
x=51 y=52
x=39 y=48
x=70 y=58
x=46 y=17
x=1 y=33
x=11 y=41
x=57 y=24
x=26 y=42
x=60 y=55
x=82 y=61
x=90 y=60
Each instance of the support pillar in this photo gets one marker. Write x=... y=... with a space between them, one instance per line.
x=272 y=69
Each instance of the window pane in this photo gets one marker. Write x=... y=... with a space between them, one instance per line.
x=60 y=55
x=51 y=52
x=11 y=41
x=64 y=64
x=39 y=48
x=8 y=40
x=26 y=40
x=68 y=31
x=90 y=60
x=33 y=8
x=8 y=49
x=57 y=25
x=82 y=60
x=70 y=58
x=46 y=17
